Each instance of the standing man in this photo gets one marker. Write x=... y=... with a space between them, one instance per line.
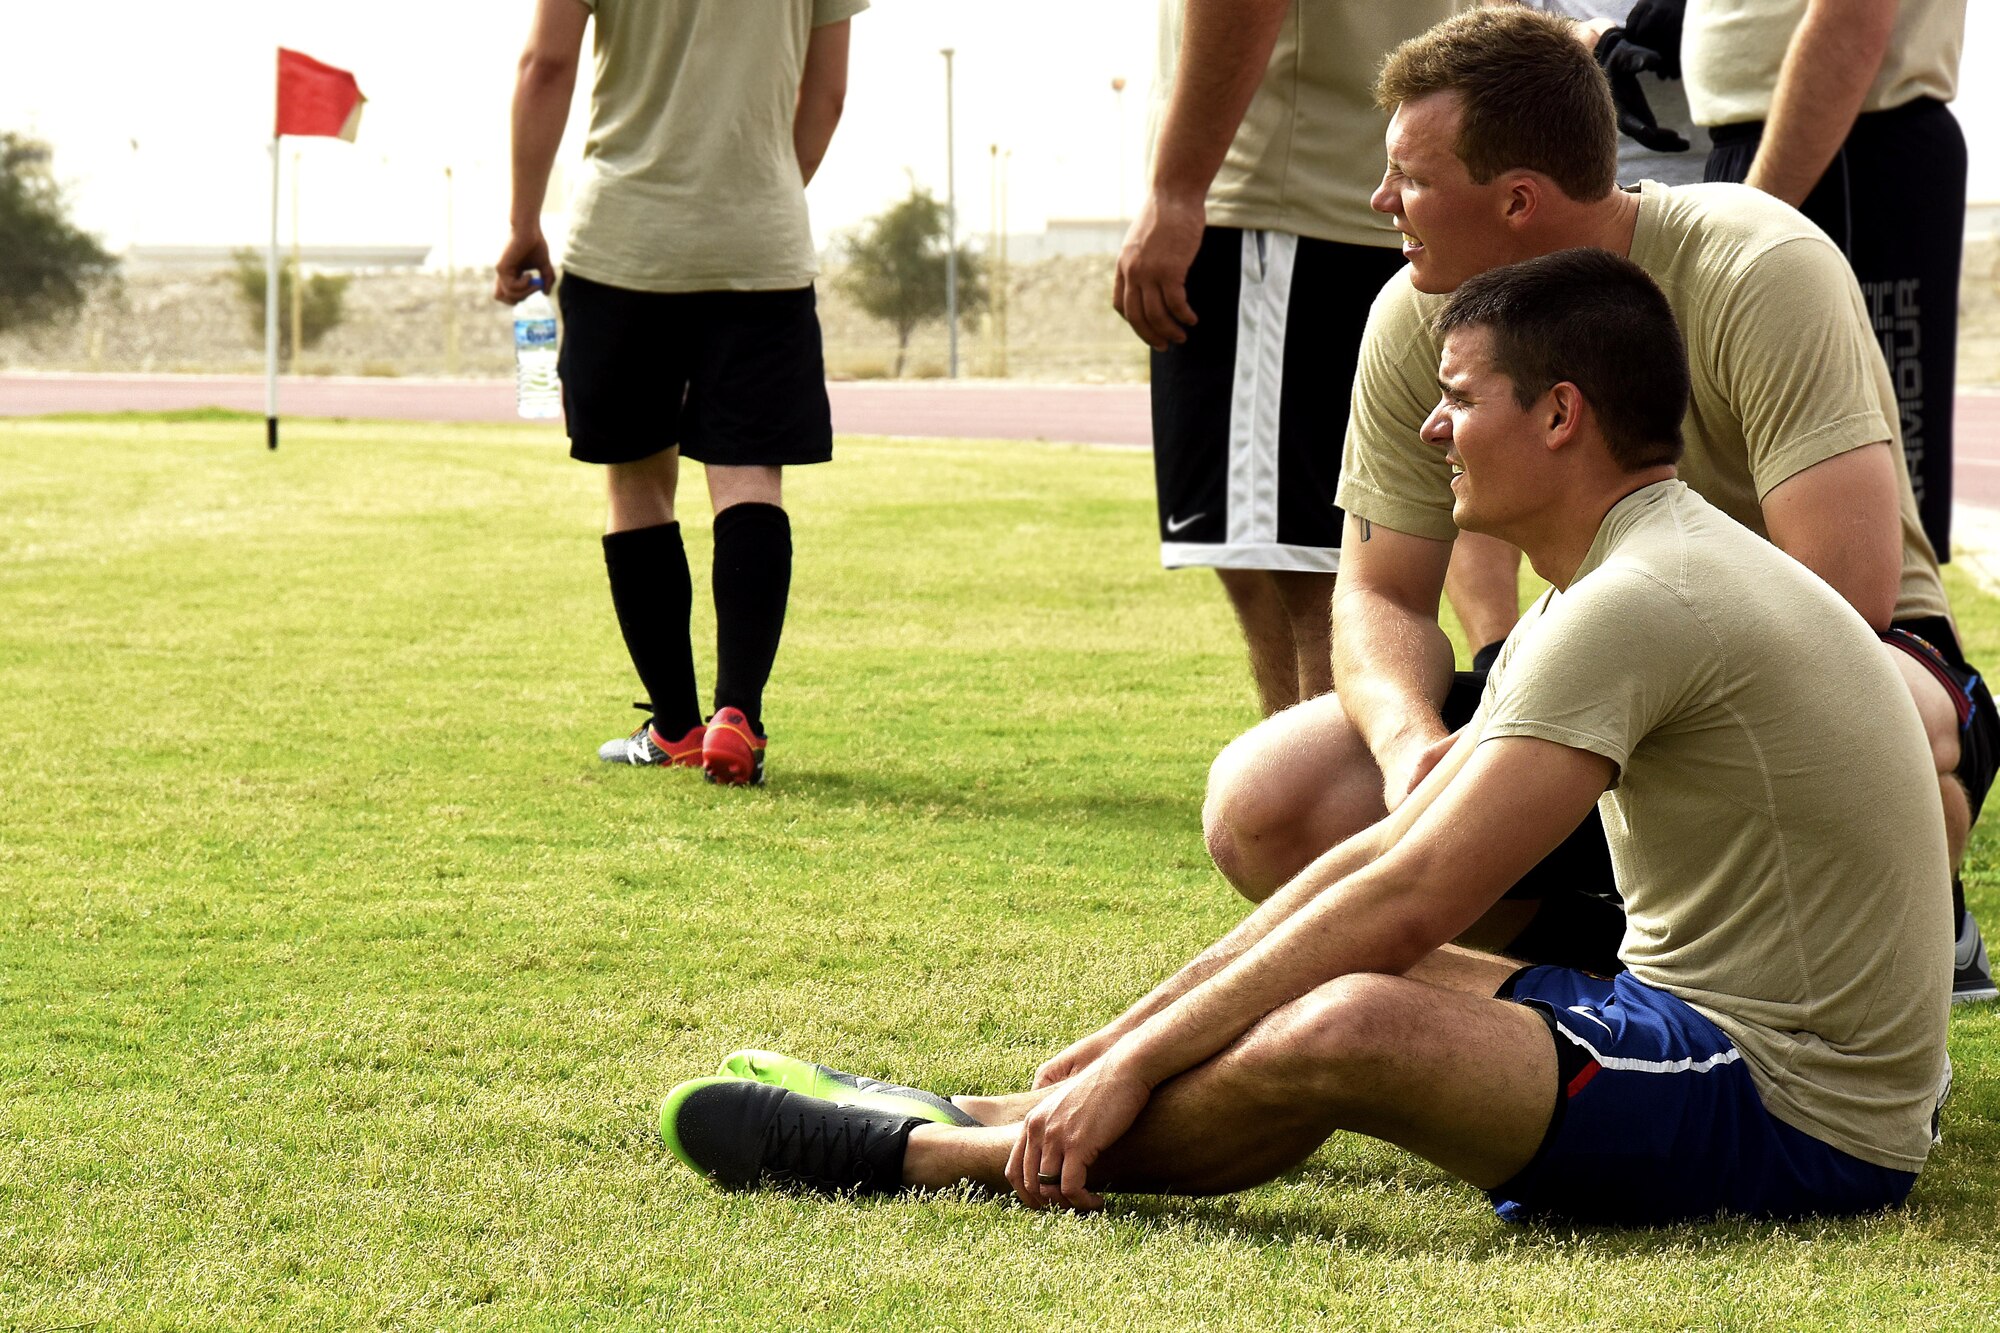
x=689 y=322
x=1838 y=108
x=1249 y=272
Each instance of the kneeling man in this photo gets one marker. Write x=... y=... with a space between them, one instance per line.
x=1776 y=1044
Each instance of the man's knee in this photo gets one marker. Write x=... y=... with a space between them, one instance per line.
x=1330 y=1046
x=1244 y=808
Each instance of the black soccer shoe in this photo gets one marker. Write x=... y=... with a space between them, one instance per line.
x=743 y=1135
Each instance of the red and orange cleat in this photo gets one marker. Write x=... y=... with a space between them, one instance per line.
x=732 y=754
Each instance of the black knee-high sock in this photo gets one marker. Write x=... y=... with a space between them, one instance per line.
x=653 y=594
x=753 y=578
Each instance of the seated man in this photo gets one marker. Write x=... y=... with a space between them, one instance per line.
x=1502 y=147
x=1777 y=1044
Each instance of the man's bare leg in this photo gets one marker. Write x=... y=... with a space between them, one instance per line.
x=1940 y=717
x=1308 y=603
x=1483 y=584
x=1287 y=621
x=1434 y=1065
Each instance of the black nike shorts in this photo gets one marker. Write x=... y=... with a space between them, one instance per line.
x=1250 y=411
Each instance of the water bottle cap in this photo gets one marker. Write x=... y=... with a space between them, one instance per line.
x=536 y=282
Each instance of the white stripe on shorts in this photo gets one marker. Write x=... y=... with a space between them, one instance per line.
x=1687 y=1065
x=1261 y=308
x=1272 y=555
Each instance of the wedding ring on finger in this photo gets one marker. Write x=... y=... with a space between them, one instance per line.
x=1044 y=1178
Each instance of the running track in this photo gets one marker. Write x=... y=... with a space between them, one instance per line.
x=1085 y=414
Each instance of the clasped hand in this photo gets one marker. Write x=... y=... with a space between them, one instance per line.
x=1062 y=1138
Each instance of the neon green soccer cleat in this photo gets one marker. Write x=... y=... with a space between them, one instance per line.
x=782 y=1071
x=742 y=1135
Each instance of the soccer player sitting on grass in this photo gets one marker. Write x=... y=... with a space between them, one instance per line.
x=1776 y=1044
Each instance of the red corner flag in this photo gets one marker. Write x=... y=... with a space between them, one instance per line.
x=315 y=98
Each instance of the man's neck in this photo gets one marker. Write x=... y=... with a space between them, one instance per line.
x=1606 y=224
x=1557 y=547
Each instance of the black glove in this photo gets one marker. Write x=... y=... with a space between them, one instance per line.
x=1623 y=59
x=1657 y=24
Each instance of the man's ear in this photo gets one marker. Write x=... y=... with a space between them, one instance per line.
x=1565 y=413
x=1524 y=198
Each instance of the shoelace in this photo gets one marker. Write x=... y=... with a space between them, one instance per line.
x=823 y=1155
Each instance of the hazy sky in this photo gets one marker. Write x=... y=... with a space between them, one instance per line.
x=191 y=86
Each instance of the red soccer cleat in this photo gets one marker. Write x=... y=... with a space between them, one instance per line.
x=732 y=755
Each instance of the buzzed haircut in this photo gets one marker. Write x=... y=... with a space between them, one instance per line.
x=1530 y=96
x=1595 y=320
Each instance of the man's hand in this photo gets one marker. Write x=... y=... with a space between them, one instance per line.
x=1078 y=1056
x=1427 y=759
x=526 y=253
x=1623 y=59
x=1408 y=761
x=1150 y=290
x=1062 y=1137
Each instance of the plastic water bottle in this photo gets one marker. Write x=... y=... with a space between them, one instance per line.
x=537 y=395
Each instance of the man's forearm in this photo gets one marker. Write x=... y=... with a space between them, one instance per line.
x=1390 y=666
x=541 y=106
x=1225 y=47
x=1332 y=867
x=1834 y=56
x=812 y=131
x=1371 y=921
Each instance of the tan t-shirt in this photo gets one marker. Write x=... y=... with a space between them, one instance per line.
x=1774 y=822
x=1786 y=371
x=1731 y=51
x=1309 y=152
x=691 y=182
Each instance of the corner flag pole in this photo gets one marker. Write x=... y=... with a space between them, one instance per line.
x=312 y=99
x=271 y=315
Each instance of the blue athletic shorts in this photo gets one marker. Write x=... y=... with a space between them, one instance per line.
x=1657 y=1120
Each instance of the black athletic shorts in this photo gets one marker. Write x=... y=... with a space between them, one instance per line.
x=1931 y=641
x=735 y=378
x=1893 y=200
x=1582 y=917
x=1250 y=411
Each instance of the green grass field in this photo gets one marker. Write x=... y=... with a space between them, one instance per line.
x=339 y=981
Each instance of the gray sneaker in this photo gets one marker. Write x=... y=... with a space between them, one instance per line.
x=647 y=748
x=1971 y=974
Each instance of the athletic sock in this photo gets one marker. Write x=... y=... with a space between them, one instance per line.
x=1957 y=906
x=653 y=594
x=753 y=579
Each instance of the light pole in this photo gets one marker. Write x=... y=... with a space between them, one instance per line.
x=1006 y=158
x=951 y=219
x=1118 y=96
x=450 y=282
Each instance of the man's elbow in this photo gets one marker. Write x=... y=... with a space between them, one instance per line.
x=542 y=69
x=1878 y=609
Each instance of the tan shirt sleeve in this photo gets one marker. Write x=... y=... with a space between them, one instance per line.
x=1802 y=372
x=833 y=11
x=1611 y=661
x=1388 y=475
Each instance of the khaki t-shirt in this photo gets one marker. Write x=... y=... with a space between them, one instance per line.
x=1731 y=51
x=1786 y=372
x=1309 y=152
x=691 y=181
x=1774 y=822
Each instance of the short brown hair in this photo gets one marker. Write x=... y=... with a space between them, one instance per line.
x=1589 y=318
x=1530 y=96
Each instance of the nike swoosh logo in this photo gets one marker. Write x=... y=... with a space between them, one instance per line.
x=1176 y=524
x=1579 y=1009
